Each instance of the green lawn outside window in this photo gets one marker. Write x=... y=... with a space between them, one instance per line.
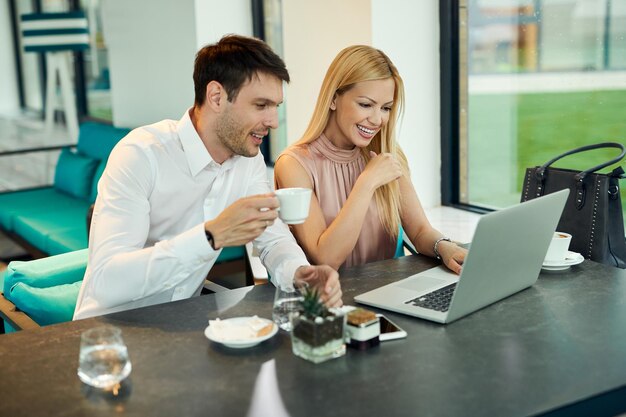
x=510 y=132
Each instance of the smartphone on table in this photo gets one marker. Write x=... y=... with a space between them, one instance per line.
x=389 y=330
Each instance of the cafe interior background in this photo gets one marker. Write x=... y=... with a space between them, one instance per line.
x=492 y=86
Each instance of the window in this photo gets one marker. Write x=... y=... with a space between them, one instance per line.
x=536 y=78
x=89 y=69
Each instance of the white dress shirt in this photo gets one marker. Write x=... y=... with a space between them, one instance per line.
x=147 y=243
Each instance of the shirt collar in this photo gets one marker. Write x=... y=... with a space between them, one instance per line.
x=198 y=158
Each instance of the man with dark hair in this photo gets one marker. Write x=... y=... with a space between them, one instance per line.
x=235 y=61
x=175 y=193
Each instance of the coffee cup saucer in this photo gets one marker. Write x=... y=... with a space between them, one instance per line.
x=571 y=259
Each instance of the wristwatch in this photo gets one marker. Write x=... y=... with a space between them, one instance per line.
x=436 y=246
x=209 y=238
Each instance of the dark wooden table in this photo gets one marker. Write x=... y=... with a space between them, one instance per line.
x=557 y=348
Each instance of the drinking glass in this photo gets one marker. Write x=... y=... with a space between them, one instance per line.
x=103 y=360
x=287 y=300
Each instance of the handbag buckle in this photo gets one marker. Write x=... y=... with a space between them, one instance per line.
x=614 y=192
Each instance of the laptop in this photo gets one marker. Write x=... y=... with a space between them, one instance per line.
x=505 y=257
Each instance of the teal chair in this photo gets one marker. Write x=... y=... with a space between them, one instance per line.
x=41 y=292
x=403 y=243
x=44 y=291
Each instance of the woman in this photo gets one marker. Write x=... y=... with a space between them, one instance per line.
x=362 y=192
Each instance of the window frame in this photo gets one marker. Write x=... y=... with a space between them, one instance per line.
x=453 y=97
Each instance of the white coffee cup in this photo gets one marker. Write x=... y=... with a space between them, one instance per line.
x=559 y=245
x=294 y=204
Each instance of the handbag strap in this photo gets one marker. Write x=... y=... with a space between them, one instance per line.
x=581 y=175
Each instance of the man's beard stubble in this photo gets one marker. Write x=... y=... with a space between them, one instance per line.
x=233 y=136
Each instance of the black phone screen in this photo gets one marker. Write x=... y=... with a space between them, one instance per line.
x=389 y=330
x=386 y=326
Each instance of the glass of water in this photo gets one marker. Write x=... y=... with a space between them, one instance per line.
x=287 y=300
x=103 y=360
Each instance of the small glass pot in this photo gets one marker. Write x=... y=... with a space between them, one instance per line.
x=319 y=339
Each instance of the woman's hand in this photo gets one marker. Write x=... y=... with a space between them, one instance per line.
x=381 y=169
x=452 y=255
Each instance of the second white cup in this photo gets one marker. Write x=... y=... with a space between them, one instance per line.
x=557 y=251
x=294 y=204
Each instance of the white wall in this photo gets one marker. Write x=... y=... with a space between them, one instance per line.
x=408 y=32
x=152 y=44
x=9 y=99
x=216 y=18
x=314 y=32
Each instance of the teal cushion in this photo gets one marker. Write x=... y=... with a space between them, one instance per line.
x=47 y=272
x=94 y=184
x=68 y=240
x=26 y=202
x=46 y=305
x=97 y=140
x=40 y=228
x=46 y=289
x=74 y=174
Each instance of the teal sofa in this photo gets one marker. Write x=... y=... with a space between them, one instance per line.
x=53 y=220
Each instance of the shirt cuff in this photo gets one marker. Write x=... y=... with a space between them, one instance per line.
x=286 y=271
x=192 y=246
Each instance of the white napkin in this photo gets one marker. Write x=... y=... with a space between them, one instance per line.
x=242 y=330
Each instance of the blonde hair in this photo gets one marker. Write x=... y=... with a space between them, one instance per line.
x=352 y=65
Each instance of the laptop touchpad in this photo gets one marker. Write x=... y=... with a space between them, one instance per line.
x=422 y=283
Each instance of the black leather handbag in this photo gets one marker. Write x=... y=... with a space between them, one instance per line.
x=593 y=212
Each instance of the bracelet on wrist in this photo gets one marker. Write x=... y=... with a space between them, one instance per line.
x=436 y=246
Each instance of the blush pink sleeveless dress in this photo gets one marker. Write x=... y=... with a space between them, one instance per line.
x=333 y=172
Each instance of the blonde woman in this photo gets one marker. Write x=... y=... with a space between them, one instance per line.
x=348 y=156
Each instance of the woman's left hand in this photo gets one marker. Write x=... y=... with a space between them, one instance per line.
x=452 y=256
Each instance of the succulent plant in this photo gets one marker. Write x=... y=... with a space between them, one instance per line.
x=317 y=333
x=312 y=306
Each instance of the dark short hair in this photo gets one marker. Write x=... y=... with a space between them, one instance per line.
x=231 y=62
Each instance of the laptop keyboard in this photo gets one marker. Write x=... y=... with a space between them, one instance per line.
x=438 y=300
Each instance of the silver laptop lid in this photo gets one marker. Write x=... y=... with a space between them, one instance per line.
x=507 y=252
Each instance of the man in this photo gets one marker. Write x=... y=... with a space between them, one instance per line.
x=176 y=192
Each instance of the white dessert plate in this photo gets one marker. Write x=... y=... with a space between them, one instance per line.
x=572 y=258
x=240 y=343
